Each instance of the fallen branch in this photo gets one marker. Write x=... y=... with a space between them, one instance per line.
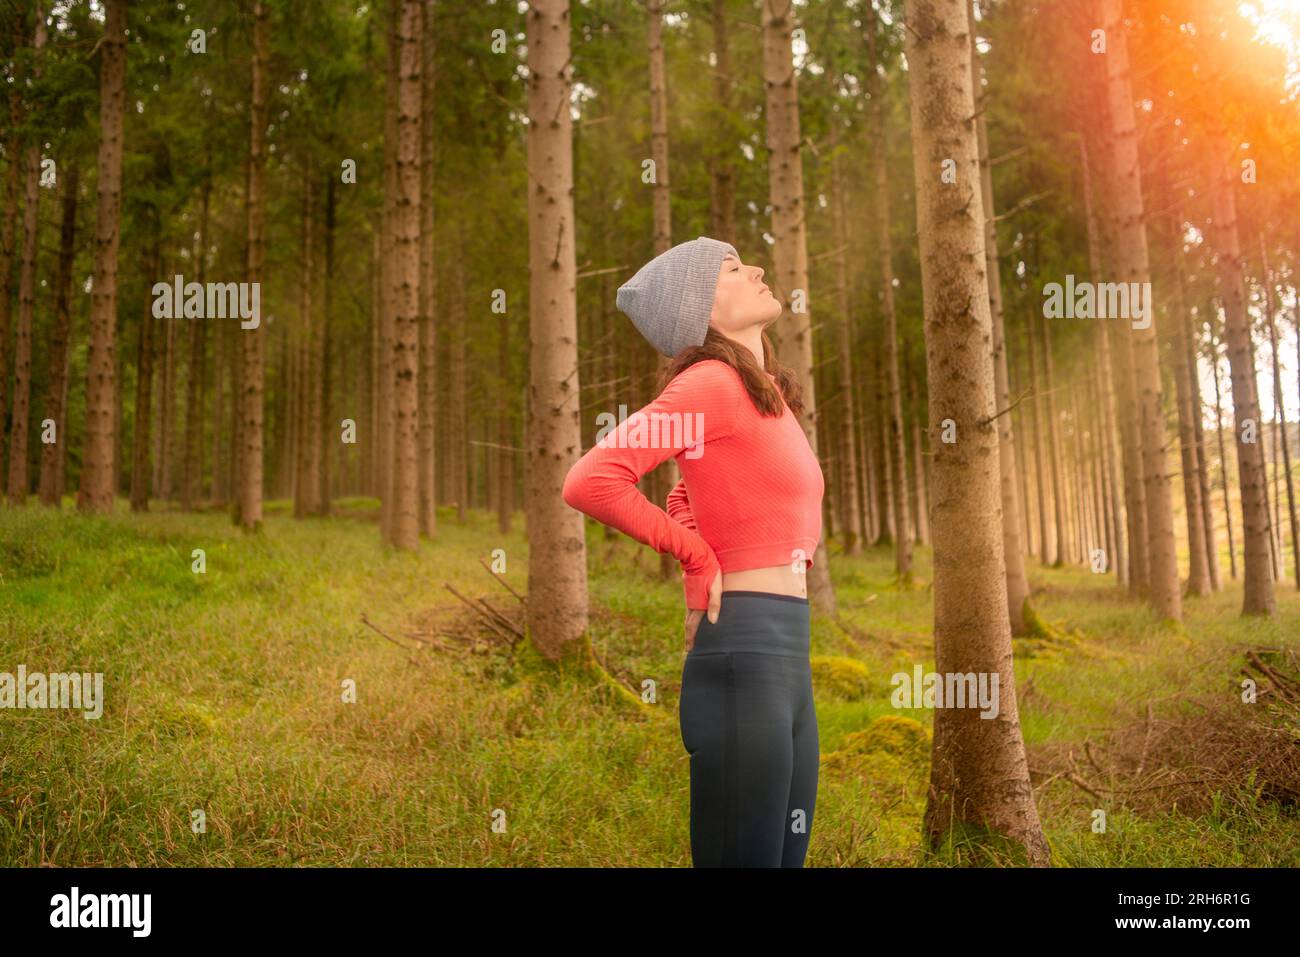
x=480 y=613
x=371 y=625
x=522 y=600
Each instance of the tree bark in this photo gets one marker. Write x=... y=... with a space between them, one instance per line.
x=1053 y=444
x=979 y=776
x=1223 y=454
x=384 y=445
x=53 y=460
x=428 y=293
x=793 y=331
x=13 y=176
x=192 y=476
x=144 y=383
x=1036 y=415
x=893 y=412
x=1131 y=257
x=405 y=521
x=1258 y=573
x=557 y=553
x=328 y=434
x=307 y=418
x=248 y=513
x=1202 y=469
x=722 y=169
x=457 y=381
x=665 y=477
x=18 y=478
x=56 y=403
x=1280 y=406
x=1117 y=548
x=166 y=410
x=1017 y=584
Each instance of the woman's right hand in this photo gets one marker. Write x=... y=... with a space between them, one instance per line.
x=694 y=615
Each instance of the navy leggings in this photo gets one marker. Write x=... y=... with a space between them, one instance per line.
x=749 y=725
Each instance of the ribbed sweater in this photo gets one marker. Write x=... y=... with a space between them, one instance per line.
x=751 y=489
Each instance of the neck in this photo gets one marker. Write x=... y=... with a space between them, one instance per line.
x=752 y=339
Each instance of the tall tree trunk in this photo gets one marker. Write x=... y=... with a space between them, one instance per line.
x=1198 y=574
x=286 y=412
x=722 y=169
x=328 y=436
x=505 y=495
x=428 y=294
x=1021 y=414
x=861 y=390
x=916 y=406
x=221 y=363
x=457 y=380
x=1017 y=584
x=1223 y=453
x=192 y=477
x=894 y=409
x=144 y=382
x=249 y=495
x=1280 y=406
x=388 y=272
x=1053 y=444
x=18 y=479
x=1131 y=257
x=979 y=776
x=307 y=393
x=405 y=521
x=166 y=410
x=52 y=454
x=880 y=441
x=557 y=553
x=374 y=369
x=663 y=478
x=1117 y=548
x=1258 y=585
x=793 y=337
x=1271 y=499
x=846 y=498
x=1036 y=417
x=1202 y=469
x=1080 y=470
x=13 y=176
x=1104 y=451
x=1119 y=345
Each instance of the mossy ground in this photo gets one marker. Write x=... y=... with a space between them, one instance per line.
x=225 y=694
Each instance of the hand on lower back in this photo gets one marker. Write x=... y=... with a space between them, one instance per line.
x=693 y=615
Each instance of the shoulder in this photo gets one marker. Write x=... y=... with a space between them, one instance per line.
x=710 y=374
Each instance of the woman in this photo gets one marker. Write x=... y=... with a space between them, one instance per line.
x=744 y=522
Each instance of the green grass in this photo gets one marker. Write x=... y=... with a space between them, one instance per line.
x=224 y=695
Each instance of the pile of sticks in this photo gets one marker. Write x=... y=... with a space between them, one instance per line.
x=495 y=629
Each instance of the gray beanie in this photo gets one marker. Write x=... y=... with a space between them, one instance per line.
x=670 y=298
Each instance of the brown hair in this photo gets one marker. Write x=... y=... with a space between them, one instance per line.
x=761 y=391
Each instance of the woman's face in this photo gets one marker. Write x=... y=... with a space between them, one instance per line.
x=742 y=299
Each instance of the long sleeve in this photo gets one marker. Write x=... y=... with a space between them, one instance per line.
x=697 y=407
x=679 y=505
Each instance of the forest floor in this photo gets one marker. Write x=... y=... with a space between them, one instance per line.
x=225 y=695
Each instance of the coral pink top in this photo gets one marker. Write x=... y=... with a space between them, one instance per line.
x=755 y=487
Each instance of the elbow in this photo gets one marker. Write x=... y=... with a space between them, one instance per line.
x=573 y=490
